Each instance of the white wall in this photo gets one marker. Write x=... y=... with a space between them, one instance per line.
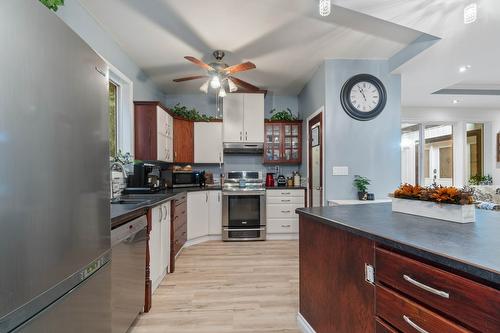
x=459 y=117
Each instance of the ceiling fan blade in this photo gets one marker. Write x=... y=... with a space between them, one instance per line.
x=243 y=84
x=232 y=86
x=240 y=68
x=198 y=62
x=187 y=78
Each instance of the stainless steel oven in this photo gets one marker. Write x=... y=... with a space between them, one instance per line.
x=243 y=207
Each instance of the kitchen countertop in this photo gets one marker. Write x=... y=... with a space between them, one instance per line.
x=120 y=211
x=472 y=248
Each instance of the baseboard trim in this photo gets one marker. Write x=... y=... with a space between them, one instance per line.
x=202 y=239
x=282 y=236
x=304 y=325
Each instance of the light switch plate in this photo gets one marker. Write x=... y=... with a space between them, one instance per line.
x=340 y=171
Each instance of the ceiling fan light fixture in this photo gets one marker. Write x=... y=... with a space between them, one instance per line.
x=232 y=86
x=324 y=7
x=204 y=87
x=222 y=92
x=215 y=82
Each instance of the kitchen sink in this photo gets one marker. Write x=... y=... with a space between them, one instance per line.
x=127 y=201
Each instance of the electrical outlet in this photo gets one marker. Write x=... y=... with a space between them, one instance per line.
x=340 y=171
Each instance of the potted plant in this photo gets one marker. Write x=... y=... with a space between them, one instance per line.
x=361 y=183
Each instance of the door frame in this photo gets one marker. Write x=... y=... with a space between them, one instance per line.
x=320 y=112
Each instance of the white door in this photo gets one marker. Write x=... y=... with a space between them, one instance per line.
x=208 y=142
x=214 y=212
x=165 y=239
x=197 y=217
x=233 y=118
x=155 y=246
x=253 y=117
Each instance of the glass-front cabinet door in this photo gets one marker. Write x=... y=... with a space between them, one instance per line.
x=283 y=142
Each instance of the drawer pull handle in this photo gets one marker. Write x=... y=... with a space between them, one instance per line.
x=426 y=288
x=285 y=200
x=412 y=324
x=285 y=211
x=285 y=193
x=286 y=225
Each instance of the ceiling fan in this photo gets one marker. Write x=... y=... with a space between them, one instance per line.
x=219 y=74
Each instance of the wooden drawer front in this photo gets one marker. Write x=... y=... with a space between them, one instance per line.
x=467 y=301
x=179 y=241
x=181 y=200
x=180 y=211
x=381 y=327
x=285 y=193
x=282 y=211
x=286 y=200
x=179 y=224
x=283 y=226
x=409 y=317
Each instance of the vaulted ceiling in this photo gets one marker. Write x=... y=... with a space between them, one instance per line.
x=287 y=40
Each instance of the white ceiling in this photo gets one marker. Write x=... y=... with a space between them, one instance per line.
x=286 y=39
x=476 y=44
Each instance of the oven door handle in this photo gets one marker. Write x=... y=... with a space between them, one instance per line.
x=254 y=229
x=228 y=194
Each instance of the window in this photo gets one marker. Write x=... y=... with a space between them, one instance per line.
x=113 y=118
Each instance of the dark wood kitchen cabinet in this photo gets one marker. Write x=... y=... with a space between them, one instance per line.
x=183 y=141
x=283 y=142
x=334 y=295
x=178 y=232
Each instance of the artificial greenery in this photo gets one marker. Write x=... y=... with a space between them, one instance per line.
x=283 y=115
x=53 y=4
x=361 y=183
x=189 y=114
x=481 y=180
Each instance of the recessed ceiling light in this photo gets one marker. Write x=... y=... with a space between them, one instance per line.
x=462 y=69
x=324 y=7
x=470 y=13
x=456 y=101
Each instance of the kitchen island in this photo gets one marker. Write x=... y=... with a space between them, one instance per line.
x=364 y=268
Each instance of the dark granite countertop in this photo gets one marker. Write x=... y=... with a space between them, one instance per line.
x=120 y=211
x=471 y=248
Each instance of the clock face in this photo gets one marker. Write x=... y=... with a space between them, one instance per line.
x=364 y=96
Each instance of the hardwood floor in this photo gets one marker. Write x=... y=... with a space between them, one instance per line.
x=228 y=287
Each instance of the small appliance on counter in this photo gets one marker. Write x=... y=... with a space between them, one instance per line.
x=270 y=179
x=296 y=179
x=175 y=178
x=281 y=181
x=147 y=178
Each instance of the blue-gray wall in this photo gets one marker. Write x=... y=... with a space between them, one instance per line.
x=205 y=104
x=78 y=19
x=368 y=148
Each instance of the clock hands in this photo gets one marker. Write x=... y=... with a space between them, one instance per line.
x=361 y=91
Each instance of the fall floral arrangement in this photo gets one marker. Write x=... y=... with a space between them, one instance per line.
x=436 y=193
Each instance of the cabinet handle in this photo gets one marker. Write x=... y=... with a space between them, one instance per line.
x=426 y=287
x=165 y=217
x=283 y=200
x=218 y=196
x=285 y=193
x=286 y=225
x=285 y=211
x=241 y=136
x=161 y=214
x=412 y=324
x=206 y=196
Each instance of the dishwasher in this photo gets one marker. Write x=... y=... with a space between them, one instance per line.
x=128 y=267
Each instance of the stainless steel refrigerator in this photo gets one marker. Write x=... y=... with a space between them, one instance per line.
x=54 y=183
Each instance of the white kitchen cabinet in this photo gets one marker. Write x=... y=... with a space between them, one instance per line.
x=164 y=126
x=197 y=214
x=233 y=118
x=214 y=212
x=253 y=117
x=280 y=210
x=159 y=243
x=208 y=142
x=243 y=118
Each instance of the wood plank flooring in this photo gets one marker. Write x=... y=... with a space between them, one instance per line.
x=228 y=287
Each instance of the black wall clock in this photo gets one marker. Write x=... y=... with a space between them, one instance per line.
x=363 y=97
